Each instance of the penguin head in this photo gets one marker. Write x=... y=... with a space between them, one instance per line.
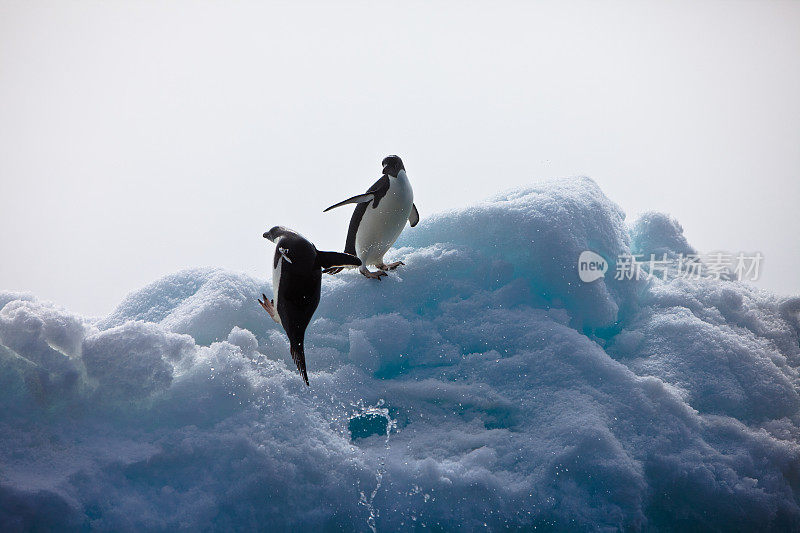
x=392 y=165
x=275 y=233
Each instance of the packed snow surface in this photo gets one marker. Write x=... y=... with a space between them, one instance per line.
x=480 y=386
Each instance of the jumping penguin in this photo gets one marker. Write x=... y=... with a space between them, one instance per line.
x=379 y=218
x=296 y=279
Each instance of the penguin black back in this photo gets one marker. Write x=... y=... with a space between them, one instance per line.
x=299 y=292
x=297 y=274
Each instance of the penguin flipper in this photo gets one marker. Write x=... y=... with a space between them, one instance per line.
x=413 y=218
x=358 y=199
x=329 y=260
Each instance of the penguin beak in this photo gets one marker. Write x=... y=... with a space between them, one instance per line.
x=266 y=235
x=386 y=171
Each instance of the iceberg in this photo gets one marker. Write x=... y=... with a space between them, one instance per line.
x=482 y=385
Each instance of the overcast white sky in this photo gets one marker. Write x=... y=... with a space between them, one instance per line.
x=139 y=138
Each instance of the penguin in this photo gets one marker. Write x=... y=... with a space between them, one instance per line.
x=379 y=218
x=296 y=279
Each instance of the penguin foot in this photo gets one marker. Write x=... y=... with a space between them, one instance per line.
x=332 y=270
x=269 y=307
x=390 y=266
x=372 y=275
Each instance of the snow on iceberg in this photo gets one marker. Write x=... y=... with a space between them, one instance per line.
x=481 y=385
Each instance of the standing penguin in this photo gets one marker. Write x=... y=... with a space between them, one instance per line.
x=379 y=218
x=296 y=279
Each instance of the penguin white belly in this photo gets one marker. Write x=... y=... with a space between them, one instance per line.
x=381 y=226
x=276 y=282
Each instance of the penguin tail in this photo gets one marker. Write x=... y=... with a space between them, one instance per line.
x=299 y=358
